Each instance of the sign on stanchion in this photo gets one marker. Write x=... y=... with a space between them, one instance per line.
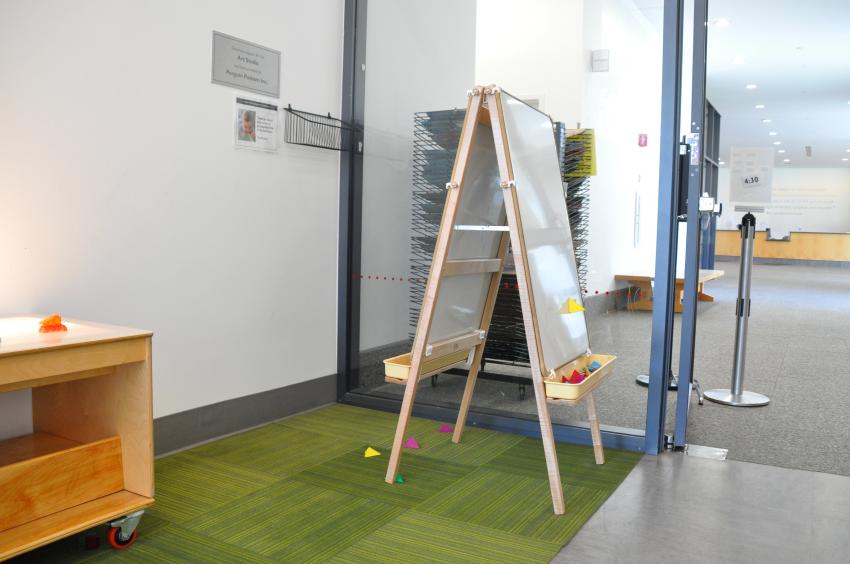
x=736 y=395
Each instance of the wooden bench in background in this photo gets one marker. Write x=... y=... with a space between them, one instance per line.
x=643 y=282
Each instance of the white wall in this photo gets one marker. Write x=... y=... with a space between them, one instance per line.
x=532 y=49
x=124 y=200
x=804 y=199
x=543 y=47
x=420 y=56
x=619 y=105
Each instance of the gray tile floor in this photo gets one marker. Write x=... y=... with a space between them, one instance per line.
x=677 y=508
x=798 y=354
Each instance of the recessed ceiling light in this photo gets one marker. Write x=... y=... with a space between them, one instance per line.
x=845 y=159
x=777 y=142
x=766 y=120
x=751 y=86
x=786 y=160
x=781 y=151
x=847 y=150
x=739 y=60
x=772 y=134
x=759 y=106
x=721 y=163
x=721 y=22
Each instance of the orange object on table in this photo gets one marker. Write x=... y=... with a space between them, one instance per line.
x=51 y=324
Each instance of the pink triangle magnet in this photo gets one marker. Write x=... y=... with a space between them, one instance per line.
x=445 y=428
x=411 y=443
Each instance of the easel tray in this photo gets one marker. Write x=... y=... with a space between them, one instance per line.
x=572 y=393
x=397 y=368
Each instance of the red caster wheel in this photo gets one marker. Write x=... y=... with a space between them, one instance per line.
x=115 y=538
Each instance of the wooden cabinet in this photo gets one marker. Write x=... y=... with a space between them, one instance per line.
x=90 y=457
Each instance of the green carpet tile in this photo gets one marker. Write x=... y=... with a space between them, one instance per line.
x=420 y=537
x=187 y=485
x=300 y=490
x=296 y=522
x=277 y=450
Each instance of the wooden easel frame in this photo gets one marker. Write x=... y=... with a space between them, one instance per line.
x=484 y=107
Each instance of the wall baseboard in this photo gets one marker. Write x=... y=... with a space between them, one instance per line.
x=180 y=430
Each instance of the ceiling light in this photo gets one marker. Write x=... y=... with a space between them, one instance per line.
x=845 y=159
x=751 y=86
x=786 y=160
x=777 y=142
x=759 y=106
x=766 y=120
x=721 y=163
x=847 y=150
x=739 y=60
x=721 y=22
x=781 y=151
x=772 y=134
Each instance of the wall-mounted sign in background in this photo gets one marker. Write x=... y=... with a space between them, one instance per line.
x=256 y=125
x=751 y=175
x=245 y=65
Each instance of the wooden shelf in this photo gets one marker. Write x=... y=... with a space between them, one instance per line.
x=30 y=446
x=64 y=523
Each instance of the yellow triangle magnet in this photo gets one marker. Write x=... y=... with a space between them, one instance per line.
x=571 y=306
x=370 y=452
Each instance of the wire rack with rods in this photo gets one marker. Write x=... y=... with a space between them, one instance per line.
x=577 y=193
x=315 y=130
x=435 y=139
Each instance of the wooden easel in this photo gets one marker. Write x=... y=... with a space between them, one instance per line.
x=484 y=109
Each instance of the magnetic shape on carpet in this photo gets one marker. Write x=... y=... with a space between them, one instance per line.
x=370 y=452
x=411 y=443
x=445 y=428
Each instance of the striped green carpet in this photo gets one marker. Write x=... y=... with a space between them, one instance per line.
x=300 y=491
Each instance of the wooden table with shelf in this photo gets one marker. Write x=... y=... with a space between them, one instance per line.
x=643 y=282
x=89 y=459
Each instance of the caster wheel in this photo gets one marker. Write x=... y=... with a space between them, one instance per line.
x=116 y=542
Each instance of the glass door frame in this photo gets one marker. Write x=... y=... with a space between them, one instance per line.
x=652 y=440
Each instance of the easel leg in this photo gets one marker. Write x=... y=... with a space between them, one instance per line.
x=548 y=436
x=595 y=433
x=401 y=428
x=489 y=305
x=467 y=394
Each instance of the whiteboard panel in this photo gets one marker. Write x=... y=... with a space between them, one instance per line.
x=460 y=305
x=546 y=226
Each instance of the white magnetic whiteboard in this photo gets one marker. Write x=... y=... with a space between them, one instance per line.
x=461 y=303
x=546 y=226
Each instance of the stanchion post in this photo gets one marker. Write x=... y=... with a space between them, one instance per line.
x=735 y=395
